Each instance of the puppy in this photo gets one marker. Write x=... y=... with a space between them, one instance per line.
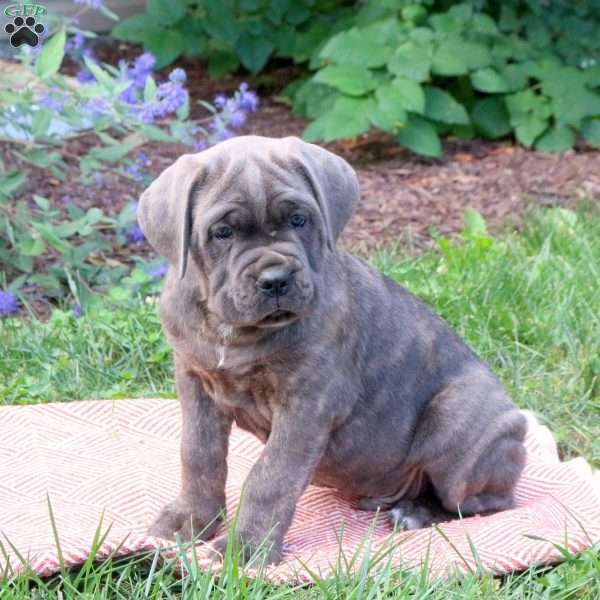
x=349 y=380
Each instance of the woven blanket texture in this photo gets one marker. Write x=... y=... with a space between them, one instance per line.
x=120 y=459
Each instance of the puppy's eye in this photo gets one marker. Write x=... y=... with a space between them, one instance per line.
x=297 y=220
x=223 y=232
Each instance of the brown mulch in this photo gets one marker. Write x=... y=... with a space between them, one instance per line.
x=403 y=195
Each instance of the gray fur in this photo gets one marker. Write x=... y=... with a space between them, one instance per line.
x=363 y=388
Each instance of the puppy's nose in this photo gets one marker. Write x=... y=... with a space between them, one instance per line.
x=274 y=281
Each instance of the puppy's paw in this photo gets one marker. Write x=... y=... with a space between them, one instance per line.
x=182 y=518
x=407 y=515
x=264 y=552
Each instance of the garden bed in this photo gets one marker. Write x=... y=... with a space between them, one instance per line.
x=404 y=195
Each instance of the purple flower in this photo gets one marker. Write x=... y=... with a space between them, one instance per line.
x=237 y=118
x=9 y=304
x=223 y=134
x=178 y=76
x=200 y=144
x=135 y=234
x=95 y=4
x=248 y=99
x=219 y=101
x=53 y=102
x=159 y=272
x=141 y=70
x=75 y=43
x=97 y=107
x=84 y=76
x=136 y=168
x=170 y=96
x=77 y=310
x=144 y=63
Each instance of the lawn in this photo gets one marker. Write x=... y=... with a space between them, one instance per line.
x=526 y=301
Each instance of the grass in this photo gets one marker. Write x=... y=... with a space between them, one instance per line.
x=528 y=302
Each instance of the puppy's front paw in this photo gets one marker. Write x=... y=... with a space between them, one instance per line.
x=266 y=551
x=188 y=521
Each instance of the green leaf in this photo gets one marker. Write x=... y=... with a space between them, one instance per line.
x=51 y=56
x=489 y=80
x=68 y=228
x=316 y=130
x=32 y=247
x=389 y=113
x=100 y=75
x=254 y=52
x=196 y=41
x=528 y=128
x=557 y=139
x=165 y=45
x=94 y=215
x=410 y=94
x=166 y=12
x=136 y=28
x=353 y=80
x=40 y=122
x=42 y=202
x=420 y=136
x=313 y=99
x=455 y=56
x=149 y=89
x=221 y=22
x=515 y=76
x=410 y=61
x=573 y=106
x=353 y=47
x=590 y=130
x=47 y=232
x=491 y=118
x=111 y=153
x=11 y=182
x=475 y=225
x=448 y=64
x=415 y=13
x=347 y=118
x=522 y=102
x=220 y=63
x=441 y=106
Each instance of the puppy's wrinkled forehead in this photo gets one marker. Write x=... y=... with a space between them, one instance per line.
x=255 y=173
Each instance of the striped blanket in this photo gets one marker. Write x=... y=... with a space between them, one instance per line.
x=120 y=459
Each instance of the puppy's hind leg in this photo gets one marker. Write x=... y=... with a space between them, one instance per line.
x=489 y=484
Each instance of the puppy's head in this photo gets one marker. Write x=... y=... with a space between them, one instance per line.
x=257 y=216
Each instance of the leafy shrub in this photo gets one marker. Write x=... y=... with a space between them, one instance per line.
x=55 y=252
x=415 y=69
x=417 y=73
x=233 y=32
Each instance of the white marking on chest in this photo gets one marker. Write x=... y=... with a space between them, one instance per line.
x=225 y=333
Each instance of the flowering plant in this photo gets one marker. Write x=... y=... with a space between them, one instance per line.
x=119 y=108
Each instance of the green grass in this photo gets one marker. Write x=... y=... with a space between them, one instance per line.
x=528 y=302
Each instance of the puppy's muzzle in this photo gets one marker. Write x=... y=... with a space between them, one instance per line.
x=275 y=281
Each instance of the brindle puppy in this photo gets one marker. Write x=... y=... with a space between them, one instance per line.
x=349 y=380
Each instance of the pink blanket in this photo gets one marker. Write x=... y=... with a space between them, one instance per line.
x=121 y=458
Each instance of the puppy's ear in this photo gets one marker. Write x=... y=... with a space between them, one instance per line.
x=335 y=186
x=165 y=210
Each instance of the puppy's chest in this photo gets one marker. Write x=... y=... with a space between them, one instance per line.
x=250 y=394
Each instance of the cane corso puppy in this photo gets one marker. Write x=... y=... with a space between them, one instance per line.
x=349 y=380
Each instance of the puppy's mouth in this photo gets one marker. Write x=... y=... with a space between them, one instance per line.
x=278 y=318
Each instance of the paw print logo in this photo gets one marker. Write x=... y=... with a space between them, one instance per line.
x=24 y=31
